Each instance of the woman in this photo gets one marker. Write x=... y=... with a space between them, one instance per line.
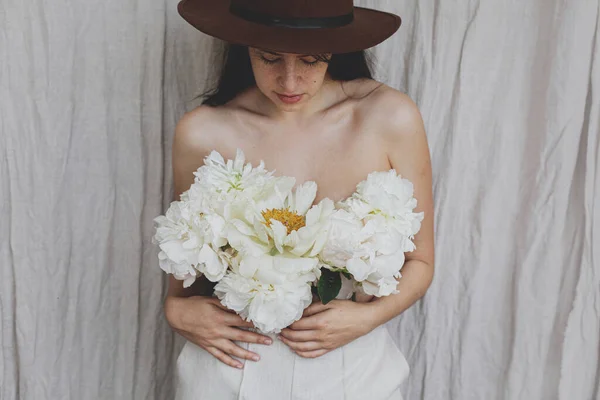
x=296 y=92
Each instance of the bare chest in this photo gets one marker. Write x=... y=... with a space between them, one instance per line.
x=337 y=158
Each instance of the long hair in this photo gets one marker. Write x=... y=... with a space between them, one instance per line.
x=235 y=72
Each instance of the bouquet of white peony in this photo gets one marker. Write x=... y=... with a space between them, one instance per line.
x=250 y=232
x=268 y=248
x=368 y=235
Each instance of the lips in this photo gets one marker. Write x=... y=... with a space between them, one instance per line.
x=289 y=99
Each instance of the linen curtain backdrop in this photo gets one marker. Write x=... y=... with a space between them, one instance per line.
x=90 y=92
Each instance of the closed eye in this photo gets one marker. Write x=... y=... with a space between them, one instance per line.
x=313 y=61
x=269 y=60
x=310 y=62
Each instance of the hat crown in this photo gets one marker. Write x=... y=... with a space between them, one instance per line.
x=297 y=8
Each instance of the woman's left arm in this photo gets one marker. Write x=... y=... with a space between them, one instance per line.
x=326 y=327
x=408 y=154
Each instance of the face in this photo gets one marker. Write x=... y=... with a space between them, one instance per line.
x=288 y=80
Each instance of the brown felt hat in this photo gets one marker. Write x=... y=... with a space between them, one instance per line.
x=291 y=26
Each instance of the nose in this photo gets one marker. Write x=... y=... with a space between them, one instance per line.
x=289 y=77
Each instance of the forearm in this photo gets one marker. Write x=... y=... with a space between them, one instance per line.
x=176 y=296
x=416 y=279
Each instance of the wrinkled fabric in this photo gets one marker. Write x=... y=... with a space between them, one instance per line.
x=90 y=92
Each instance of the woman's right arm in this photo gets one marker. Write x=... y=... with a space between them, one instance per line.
x=202 y=320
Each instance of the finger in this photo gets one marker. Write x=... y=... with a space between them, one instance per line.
x=315 y=308
x=245 y=336
x=224 y=358
x=300 y=336
x=312 y=354
x=236 y=320
x=310 y=323
x=216 y=302
x=233 y=349
x=301 y=346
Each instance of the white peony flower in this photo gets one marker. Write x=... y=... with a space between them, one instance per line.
x=214 y=263
x=191 y=243
x=270 y=291
x=234 y=189
x=234 y=175
x=380 y=286
x=180 y=269
x=228 y=182
x=180 y=238
x=383 y=277
x=344 y=239
x=370 y=233
x=290 y=224
x=387 y=195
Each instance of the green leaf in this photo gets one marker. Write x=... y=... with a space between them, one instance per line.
x=329 y=285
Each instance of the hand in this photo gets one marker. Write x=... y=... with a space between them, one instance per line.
x=324 y=328
x=210 y=325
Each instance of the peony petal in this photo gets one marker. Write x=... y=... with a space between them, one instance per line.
x=214 y=157
x=347 y=289
x=303 y=197
x=313 y=215
x=292 y=241
x=359 y=269
x=187 y=282
x=320 y=242
x=214 y=268
x=176 y=253
x=261 y=231
x=240 y=159
x=303 y=240
x=294 y=264
x=192 y=243
x=249 y=265
x=382 y=287
x=242 y=227
x=279 y=234
x=245 y=244
x=389 y=265
x=270 y=276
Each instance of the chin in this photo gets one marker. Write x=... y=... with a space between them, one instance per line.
x=288 y=107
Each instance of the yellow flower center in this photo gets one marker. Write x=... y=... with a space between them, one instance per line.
x=289 y=219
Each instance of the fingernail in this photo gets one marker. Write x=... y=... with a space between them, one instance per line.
x=255 y=358
x=239 y=366
x=267 y=341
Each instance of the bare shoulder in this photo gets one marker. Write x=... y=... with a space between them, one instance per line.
x=193 y=128
x=392 y=113
x=396 y=121
x=195 y=136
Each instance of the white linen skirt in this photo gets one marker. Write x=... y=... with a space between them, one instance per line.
x=371 y=367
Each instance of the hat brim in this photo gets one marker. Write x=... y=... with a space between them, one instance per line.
x=369 y=28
